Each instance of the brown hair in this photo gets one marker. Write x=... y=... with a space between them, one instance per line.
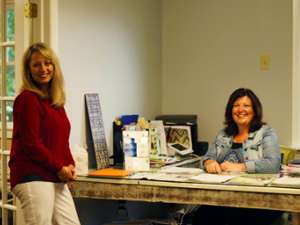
x=256 y=123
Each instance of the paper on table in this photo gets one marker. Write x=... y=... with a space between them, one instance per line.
x=213 y=178
x=171 y=177
x=160 y=176
x=143 y=175
x=287 y=181
x=182 y=170
x=253 y=179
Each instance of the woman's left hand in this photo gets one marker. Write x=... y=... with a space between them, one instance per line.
x=229 y=166
x=72 y=168
x=67 y=173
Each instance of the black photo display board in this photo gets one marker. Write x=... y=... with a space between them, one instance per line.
x=96 y=132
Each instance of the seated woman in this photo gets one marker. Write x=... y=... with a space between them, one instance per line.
x=246 y=144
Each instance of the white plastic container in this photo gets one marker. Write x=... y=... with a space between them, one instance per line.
x=80 y=157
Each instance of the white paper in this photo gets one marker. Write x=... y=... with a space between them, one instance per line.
x=212 y=178
x=182 y=170
x=287 y=181
x=160 y=176
x=253 y=179
x=137 y=163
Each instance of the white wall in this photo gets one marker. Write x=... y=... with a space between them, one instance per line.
x=212 y=47
x=208 y=47
x=111 y=48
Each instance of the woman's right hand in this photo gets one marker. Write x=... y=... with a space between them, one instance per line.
x=212 y=166
x=67 y=173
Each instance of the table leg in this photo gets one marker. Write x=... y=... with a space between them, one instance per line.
x=295 y=218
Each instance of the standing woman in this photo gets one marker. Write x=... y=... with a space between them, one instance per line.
x=41 y=163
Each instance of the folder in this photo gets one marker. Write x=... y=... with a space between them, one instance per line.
x=109 y=172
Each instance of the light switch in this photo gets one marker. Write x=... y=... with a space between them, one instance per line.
x=265 y=62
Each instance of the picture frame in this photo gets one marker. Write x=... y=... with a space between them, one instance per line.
x=179 y=134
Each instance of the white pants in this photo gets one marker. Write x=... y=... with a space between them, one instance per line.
x=46 y=203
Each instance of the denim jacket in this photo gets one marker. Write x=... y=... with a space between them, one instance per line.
x=260 y=151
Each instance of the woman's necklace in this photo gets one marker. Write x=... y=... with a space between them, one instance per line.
x=240 y=138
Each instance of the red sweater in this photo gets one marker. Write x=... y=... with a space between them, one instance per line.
x=40 y=145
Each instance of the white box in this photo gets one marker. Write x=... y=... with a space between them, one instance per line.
x=136 y=150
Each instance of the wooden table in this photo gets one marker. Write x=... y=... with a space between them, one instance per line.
x=275 y=198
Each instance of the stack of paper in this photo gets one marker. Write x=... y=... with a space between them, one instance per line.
x=253 y=179
x=182 y=170
x=212 y=178
x=287 y=181
x=180 y=174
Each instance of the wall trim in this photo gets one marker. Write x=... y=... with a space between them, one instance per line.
x=296 y=76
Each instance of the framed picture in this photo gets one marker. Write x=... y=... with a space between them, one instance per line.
x=180 y=135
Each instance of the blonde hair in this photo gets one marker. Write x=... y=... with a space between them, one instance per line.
x=56 y=88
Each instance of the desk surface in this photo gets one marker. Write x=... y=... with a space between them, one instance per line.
x=277 y=198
